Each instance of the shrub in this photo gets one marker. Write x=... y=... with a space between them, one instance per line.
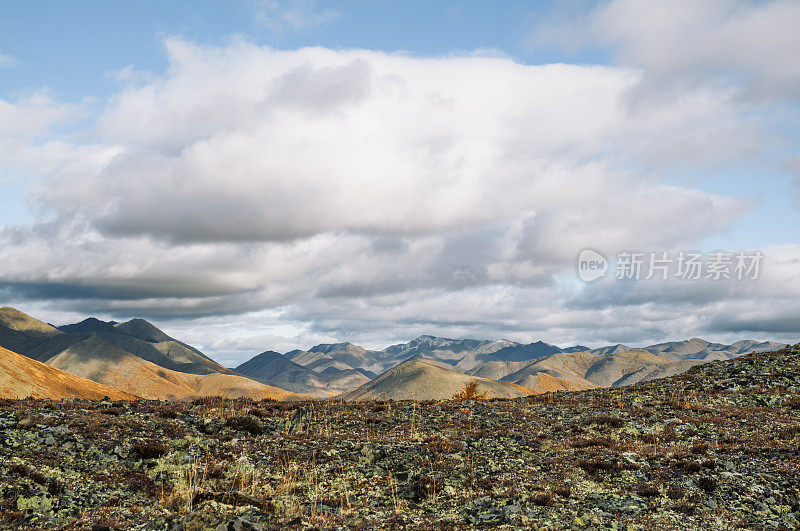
x=140 y=482
x=245 y=423
x=608 y=420
x=544 y=499
x=149 y=449
x=563 y=490
x=707 y=483
x=684 y=508
x=597 y=465
x=699 y=449
x=55 y=487
x=676 y=492
x=647 y=490
x=470 y=392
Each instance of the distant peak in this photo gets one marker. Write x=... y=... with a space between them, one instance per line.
x=331 y=347
x=88 y=325
x=22 y=322
x=141 y=329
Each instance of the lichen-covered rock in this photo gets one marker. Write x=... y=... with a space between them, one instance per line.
x=715 y=447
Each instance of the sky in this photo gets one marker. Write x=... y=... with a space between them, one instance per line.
x=264 y=174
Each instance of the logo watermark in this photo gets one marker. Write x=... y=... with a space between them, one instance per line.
x=591 y=265
x=663 y=265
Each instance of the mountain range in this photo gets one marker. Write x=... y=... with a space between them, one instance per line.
x=137 y=359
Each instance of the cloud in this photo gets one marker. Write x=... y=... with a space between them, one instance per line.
x=370 y=196
x=746 y=46
x=281 y=16
x=7 y=60
x=246 y=143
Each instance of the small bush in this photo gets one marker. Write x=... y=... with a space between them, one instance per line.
x=687 y=467
x=140 y=482
x=608 y=420
x=699 y=449
x=792 y=403
x=166 y=413
x=709 y=464
x=648 y=490
x=437 y=445
x=707 y=483
x=563 y=490
x=469 y=392
x=55 y=487
x=149 y=449
x=544 y=499
x=422 y=487
x=676 y=492
x=595 y=466
x=684 y=508
x=245 y=423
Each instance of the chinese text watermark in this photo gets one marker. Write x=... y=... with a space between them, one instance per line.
x=663 y=265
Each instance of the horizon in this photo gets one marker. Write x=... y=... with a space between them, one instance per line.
x=245 y=356
x=291 y=173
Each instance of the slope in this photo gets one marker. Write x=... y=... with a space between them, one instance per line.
x=22 y=377
x=102 y=362
x=422 y=379
x=21 y=333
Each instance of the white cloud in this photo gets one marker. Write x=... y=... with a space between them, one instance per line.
x=280 y=16
x=741 y=44
x=252 y=144
x=7 y=60
x=366 y=196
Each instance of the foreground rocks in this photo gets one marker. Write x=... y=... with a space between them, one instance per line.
x=717 y=447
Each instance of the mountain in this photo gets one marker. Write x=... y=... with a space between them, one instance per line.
x=20 y=332
x=610 y=349
x=423 y=379
x=571 y=367
x=316 y=361
x=141 y=329
x=89 y=326
x=748 y=346
x=276 y=369
x=136 y=336
x=610 y=369
x=135 y=357
x=22 y=377
x=586 y=370
x=16 y=320
x=499 y=359
x=439 y=348
x=463 y=354
x=102 y=362
x=700 y=349
x=351 y=355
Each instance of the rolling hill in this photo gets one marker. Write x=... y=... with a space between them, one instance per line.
x=586 y=370
x=22 y=377
x=134 y=357
x=423 y=379
x=103 y=362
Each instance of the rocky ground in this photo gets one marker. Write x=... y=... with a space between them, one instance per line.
x=717 y=447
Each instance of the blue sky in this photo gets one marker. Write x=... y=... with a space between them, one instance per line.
x=72 y=49
x=71 y=46
x=663 y=129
